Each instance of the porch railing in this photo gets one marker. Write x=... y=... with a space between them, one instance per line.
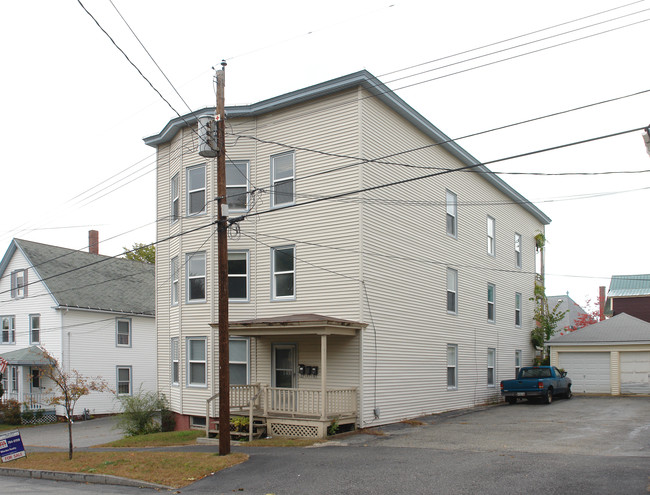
x=33 y=401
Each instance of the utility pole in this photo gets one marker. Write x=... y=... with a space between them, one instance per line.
x=222 y=272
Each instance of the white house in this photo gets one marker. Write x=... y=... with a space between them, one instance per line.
x=371 y=279
x=93 y=313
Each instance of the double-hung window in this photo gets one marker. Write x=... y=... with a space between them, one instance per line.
x=237 y=184
x=34 y=329
x=452 y=291
x=19 y=284
x=452 y=366
x=196 y=362
x=452 y=214
x=238 y=276
x=517 y=362
x=174 y=268
x=518 y=250
x=491 y=236
x=8 y=329
x=491 y=358
x=238 y=361
x=284 y=272
x=517 y=309
x=195 y=268
x=196 y=190
x=283 y=179
x=175 y=355
x=491 y=307
x=14 y=379
x=123 y=332
x=123 y=380
x=175 y=195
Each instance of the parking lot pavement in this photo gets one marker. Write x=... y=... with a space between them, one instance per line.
x=609 y=426
x=84 y=434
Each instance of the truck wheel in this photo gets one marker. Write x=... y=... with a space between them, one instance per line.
x=511 y=400
x=548 y=399
x=569 y=394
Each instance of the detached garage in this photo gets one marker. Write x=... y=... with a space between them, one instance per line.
x=610 y=357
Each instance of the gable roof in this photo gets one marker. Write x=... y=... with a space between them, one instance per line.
x=81 y=280
x=573 y=309
x=620 y=329
x=379 y=90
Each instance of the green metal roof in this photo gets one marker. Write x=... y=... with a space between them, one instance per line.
x=629 y=286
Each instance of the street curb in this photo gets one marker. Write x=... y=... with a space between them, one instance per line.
x=100 y=479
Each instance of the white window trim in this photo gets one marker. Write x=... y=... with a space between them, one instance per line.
x=492 y=351
x=517 y=362
x=204 y=210
x=117 y=332
x=18 y=291
x=11 y=331
x=174 y=268
x=455 y=366
x=493 y=303
x=188 y=256
x=190 y=361
x=274 y=296
x=175 y=194
x=451 y=201
x=454 y=291
x=31 y=328
x=175 y=359
x=518 y=255
x=491 y=236
x=518 y=303
x=248 y=357
x=246 y=276
x=14 y=380
x=245 y=183
x=117 y=380
x=292 y=178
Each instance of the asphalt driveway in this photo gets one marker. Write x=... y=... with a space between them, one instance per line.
x=84 y=434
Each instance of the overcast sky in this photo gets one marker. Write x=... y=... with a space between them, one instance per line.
x=75 y=111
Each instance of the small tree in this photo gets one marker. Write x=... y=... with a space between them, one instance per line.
x=69 y=387
x=591 y=316
x=546 y=318
x=141 y=252
x=139 y=412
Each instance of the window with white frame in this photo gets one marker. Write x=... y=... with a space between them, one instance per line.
x=196 y=362
x=452 y=291
x=196 y=190
x=34 y=329
x=284 y=272
x=517 y=250
x=283 y=179
x=176 y=198
x=491 y=239
x=174 y=269
x=123 y=332
x=14 y=379
x=19 y=284
x=517 y=362
x=238 y=276
x=239 y=353
x=517 y=309
x=8 y=329
x=175 y=355
x=123 y=380
x=237 y=184
x=491 y=359
x=195 y=268
x=35 y=378
x=452 y=214
x=452 y=366
x=491 y=297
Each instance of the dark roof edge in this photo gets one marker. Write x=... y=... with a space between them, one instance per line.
x=369 y=82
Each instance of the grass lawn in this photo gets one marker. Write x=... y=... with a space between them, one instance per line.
x=175 y=469
x=165 y=439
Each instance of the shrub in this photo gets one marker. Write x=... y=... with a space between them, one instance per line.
x=10 y=412
x=240 y=423
x=167 y=420
x=140 y=412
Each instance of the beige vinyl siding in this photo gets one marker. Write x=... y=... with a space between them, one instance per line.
x=406 y=255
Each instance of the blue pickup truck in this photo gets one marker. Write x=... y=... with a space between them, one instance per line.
x=537 y=382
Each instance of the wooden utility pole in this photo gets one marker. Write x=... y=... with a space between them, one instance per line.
x=222 y=272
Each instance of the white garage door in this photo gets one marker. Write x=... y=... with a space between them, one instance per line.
x=589 y=371
x=635 y=372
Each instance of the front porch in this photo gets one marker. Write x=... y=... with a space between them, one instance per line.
x=304 y=375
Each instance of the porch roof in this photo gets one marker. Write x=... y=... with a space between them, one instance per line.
x=30 y=356
x=301 y=324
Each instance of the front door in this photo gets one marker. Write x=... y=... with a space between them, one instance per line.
x=284 y=365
